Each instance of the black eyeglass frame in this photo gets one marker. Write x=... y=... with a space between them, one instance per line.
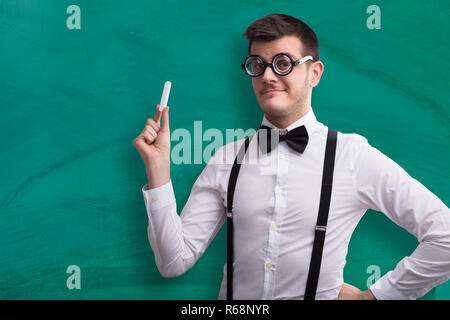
x=266 y=64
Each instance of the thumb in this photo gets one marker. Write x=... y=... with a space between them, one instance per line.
x=165 y=119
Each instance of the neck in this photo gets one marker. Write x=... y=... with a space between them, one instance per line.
x=285 y=121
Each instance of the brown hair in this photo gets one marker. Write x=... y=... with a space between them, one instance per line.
x=275 y=26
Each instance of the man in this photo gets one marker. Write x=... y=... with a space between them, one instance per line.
x=276 y=202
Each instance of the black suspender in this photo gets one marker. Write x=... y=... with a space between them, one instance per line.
x=230 y=193
x=322 y=218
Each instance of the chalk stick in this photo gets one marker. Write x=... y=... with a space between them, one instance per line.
x=165 y=95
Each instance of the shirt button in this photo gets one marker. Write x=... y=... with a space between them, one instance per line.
x=277 y=190
x=273 y=227
x=282 y=156
x=268 y=266
x=154 y=199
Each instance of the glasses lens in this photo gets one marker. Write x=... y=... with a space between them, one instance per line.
x=283 y=64
x=254 y=65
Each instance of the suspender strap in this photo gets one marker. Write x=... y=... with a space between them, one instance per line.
x=230 y=239
x=322 y=218
x=324 y=206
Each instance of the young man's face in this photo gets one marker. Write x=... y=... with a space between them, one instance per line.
x=290 y=95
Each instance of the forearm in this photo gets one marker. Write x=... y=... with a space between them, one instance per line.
x=157 y=175
x=179 y=240
x=172 y=256
x=415 y=275
x=165 y=232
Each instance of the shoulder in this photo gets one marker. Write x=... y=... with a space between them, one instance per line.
x=346 y=142
x=366 y=160
x=354 y=151
x=352 y=142
x=351 y=139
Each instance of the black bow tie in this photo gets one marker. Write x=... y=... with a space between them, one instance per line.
x=296 y=138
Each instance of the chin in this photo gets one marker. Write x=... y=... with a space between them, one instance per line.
x=275 y=110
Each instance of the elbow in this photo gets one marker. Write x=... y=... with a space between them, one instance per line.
x=171 y=273
x=173 y=270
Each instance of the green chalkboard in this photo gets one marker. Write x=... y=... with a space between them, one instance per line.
x=73 y=98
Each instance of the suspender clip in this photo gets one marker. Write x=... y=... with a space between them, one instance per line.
x=230 y=214
x=321 y=228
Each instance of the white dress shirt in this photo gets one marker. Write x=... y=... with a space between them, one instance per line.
x=275 y=209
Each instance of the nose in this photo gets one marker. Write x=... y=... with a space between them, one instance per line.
x=269 y=75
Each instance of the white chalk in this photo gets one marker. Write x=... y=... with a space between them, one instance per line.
x=165 y=95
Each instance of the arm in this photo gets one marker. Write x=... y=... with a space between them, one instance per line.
x=382 y=185
x=178 y=241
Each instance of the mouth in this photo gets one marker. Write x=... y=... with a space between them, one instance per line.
x=269 y=92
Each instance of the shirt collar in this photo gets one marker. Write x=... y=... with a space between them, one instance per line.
x=308 y=120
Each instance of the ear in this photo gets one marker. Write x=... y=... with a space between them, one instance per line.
x=316 y=72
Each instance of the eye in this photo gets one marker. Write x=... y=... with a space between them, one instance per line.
x=283 y=63
x=255 y=65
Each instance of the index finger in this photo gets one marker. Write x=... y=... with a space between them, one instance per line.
x=157 y=116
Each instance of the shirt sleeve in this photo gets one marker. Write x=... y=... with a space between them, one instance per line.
x=178 y=241
x=382 y=185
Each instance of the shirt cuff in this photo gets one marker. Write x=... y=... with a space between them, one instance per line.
x=159 y=197
x=384 y=289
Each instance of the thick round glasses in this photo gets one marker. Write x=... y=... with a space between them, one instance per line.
x=282 y=64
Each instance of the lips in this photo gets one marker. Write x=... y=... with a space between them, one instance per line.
x=272 y=91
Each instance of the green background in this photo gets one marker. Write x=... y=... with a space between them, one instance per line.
x=72 y=101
